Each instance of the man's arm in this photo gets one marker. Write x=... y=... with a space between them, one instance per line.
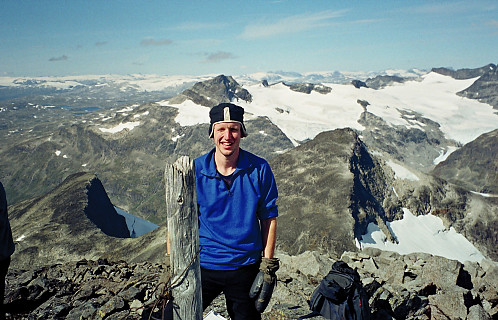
x=269 y=234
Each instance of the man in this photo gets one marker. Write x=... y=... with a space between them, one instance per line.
x=6 y=246
x=236 y=195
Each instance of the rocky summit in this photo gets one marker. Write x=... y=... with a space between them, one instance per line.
x=415 y=286
x=212 y=92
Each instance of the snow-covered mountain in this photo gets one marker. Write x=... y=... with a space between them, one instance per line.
x=302 y=116
x=150 y=82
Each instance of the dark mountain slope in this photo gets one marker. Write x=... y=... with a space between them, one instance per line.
x=382 y=81
x=417 y=146
x=329 y=190
x=59 y=224
x=465 y=73
x=474 y=166
x=75 y=221
x=484 y=89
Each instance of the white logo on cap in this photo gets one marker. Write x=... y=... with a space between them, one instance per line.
x=226 y=114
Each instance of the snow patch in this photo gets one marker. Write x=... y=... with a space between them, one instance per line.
x=444 y=155
x=189 y=113
x=146 y=113
x=425 y=233
x=127 y=109
x=213 y=315
x=177 y=137
x=120 y=127
x=485 y=195
x=402 y=172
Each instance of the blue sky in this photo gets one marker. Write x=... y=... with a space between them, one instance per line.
x=56 y=38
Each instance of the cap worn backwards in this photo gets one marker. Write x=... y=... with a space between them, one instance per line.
x=226 y=112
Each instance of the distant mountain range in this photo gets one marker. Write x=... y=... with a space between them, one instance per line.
x=106 y=91
x=340 y=144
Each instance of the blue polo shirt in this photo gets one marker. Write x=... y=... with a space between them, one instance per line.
x=229 y=216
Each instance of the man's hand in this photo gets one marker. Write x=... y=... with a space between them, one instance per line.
x=262 y=287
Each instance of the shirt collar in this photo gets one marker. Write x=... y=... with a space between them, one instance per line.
x=209 y=169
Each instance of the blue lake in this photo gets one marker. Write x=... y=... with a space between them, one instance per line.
x=136 y=225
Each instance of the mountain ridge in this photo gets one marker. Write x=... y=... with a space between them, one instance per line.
x=74 y=221
x=478 y=174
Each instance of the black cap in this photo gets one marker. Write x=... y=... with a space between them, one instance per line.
x=226 y=112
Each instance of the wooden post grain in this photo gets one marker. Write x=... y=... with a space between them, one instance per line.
x=183 y=229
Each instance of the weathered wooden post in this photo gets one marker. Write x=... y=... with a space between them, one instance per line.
x=183 y=229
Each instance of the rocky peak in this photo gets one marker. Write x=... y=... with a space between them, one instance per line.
x=417 y=145
x=76 y=220
x=330 y=189
x=380 y=82
x=308 y=87
x=478 y=174
x=359 y=84
x=484 y=89
x=465 y=73
x=215 y=91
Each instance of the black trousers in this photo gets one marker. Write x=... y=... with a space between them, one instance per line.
x=4 y=267
x=235 y=284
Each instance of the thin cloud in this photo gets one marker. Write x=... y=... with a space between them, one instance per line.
x=493 y=23
x=367 y=21
x=61 y=58
x=218 y=56
x=152 y=42
x=189 y=26
x=292 y=24
x=444 y=8
x=100 y=43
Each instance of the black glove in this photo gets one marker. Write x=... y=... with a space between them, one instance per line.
x=262 y=287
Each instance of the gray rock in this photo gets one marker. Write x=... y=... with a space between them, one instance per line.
x=427 y=289
x=215 y=91
x=383 y=81
x=451 y=304
x=308 y=87
x=442 y=272
x=465 y=73
x=477 y=312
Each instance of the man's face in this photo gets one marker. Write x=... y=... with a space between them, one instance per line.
x=227 y=137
